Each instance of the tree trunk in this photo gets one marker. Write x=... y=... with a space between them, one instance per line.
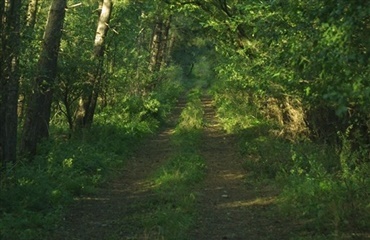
x=160 y=44
x=31 y=13
x=9 y=57
x=87 y=103
x=2 y=82
x=37 y=119
x=159 y=49
x=155 y=49
x=170 y=44
x=2 y=5
x=165 y=42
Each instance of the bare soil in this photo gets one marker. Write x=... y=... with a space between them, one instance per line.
x=228 y=207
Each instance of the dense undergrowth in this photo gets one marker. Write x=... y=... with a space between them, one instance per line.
x=170 y=212
x=323 y=187
x=35 y=195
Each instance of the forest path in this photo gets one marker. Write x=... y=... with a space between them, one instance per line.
x=229 y=208
x=103 y=215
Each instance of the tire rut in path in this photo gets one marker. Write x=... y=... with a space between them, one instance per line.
x=102 y=215
x=228 y=209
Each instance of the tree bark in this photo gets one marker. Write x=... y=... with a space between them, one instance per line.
x=2 y=5
x=155 y=49
x=9 y=57
x=159 y=45
x=166 y=42
x=87 y=103
x=36 y=126
x=31 y=13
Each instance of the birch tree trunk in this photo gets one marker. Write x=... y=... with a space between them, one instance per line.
x=31 y=13
x=87 y=103
x=9 y=57
x=165 y=42
x=159 y=48
x=160 y=44
x=36 y=126
x=155 y=48
x=2 y=81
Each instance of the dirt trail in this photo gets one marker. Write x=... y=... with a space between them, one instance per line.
x=102 y=216
x=228 y=209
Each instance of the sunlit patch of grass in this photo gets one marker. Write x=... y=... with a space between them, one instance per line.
x=174 y=198
x=168 y=178
x=236 y=112
x=192 y=116
x=254 y=202
x=180 y=171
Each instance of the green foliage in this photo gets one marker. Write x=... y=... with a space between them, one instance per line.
x=265 y=154
x=331 y=202
x=30 y=200
x=139 y=109
x=234 y=109
x=313 y=52
x=34 y=195
x=192 y=116
x=255 y=54
x=168 y=91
